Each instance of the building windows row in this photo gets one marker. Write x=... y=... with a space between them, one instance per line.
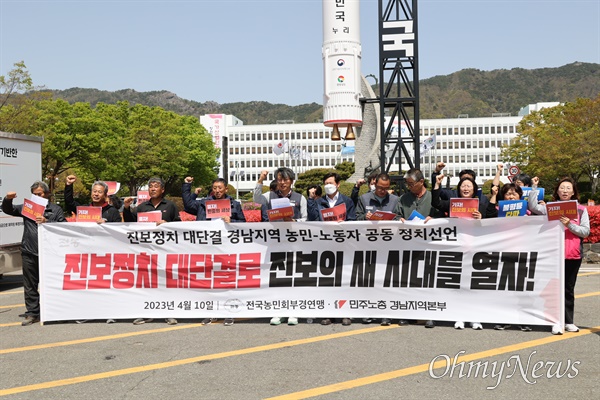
x=263 y=136
x=468 y=130
x=323 y=148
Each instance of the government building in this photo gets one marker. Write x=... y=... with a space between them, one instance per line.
x=461 y=143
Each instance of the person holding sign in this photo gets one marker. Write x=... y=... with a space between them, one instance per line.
x=466 y=189
x=218 y=205
x=285 y=179
x=99 y=199
x=157 y=202
x=100 y=210
x=377 y=200
x=447 y=194
x=29 y=246
x=334 y=206
x=576 y=229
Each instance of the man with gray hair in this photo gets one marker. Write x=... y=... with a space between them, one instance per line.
x=99 y=199
x=29 y=246
x=418 y=198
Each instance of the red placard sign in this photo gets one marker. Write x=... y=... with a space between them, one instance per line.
x=88 y=214
x=463 y=208
x=218 y=208
x=335 y=214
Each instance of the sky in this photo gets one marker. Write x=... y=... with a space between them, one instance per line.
x=270 y=50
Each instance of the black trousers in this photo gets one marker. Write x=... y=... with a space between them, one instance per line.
x=571 y=271
x=31 y=280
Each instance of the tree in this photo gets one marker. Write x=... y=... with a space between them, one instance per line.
x=17 y=98
x=162 y=143
x=119 y=142
x=559 y=141
x=16 y=81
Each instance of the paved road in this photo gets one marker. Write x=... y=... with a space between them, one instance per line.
x=253 y=360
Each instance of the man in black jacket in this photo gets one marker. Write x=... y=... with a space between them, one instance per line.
x=29 y=246
x=157 y=202
x=99 y=199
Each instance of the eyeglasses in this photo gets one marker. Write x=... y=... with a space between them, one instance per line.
x=382 y=187
x=411 y=184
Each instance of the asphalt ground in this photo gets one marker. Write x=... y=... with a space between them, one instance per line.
x=253 y=360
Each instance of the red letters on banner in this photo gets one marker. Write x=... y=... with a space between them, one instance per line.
x=128 y=271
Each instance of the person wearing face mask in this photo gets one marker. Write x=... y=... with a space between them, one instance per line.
x=354 y=195
x=332 y=198
x=575 y=231
x=377 y=200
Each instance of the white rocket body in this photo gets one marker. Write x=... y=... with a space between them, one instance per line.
x=341 y=63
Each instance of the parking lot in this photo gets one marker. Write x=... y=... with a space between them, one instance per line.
x=253 y=360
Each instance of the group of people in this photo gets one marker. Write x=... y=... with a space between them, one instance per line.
x=428 y=204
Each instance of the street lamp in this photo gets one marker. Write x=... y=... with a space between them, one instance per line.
x=236 y=173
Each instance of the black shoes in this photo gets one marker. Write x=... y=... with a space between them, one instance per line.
x=30 y=320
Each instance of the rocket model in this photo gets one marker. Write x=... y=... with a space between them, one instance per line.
x=341 y=66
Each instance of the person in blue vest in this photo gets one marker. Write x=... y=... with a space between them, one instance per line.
x=285 y=180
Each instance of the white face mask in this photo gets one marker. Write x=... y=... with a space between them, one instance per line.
x=372 y=187
x=330 y=188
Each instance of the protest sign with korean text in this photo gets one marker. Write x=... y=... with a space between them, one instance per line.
x=335 y=214
x=218 y=208
x=149 y=216
x=512 y=208
x=463 y=207
x=88 y=214
x=555 y=210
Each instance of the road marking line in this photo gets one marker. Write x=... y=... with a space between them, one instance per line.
x=588 y=273
x=579 y=296
x=10 y=324
x=145 y=332
x=15 y=292
x=368 y=380
x=13 y=306
x=96 y=339
x=185 y=361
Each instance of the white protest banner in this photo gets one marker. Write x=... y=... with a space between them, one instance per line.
x=504 y=270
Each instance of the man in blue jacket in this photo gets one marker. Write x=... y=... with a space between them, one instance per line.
x=332 y=198
x=219 y=192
